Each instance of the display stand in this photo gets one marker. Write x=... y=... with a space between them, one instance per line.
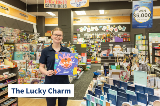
x=111 y=59
x=5 y=92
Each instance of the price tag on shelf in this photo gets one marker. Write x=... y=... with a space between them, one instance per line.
x=110 y=44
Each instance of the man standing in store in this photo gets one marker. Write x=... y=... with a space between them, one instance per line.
x=48 y=58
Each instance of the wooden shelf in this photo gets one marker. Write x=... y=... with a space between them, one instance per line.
x=141 y=44
x=3 y=92
x=4 y=99
x=10 y=102
x=8 y=77
x=143 y=50
x=4 y=85
x=13 y=70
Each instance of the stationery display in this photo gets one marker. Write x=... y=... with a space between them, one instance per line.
x=121 y=93
x=120 y=100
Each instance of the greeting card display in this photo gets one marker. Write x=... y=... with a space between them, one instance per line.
x=28 y=73
x=31 y=64
x=25 y=47
x=38 y=55
x=66 y=63
x=34 y=80
x=18 y=47
x=32 y=55
x=22 y=73
x=26 y=56
x=33 y=48
x=21 y=64
x=18 y=55
x=40 y=47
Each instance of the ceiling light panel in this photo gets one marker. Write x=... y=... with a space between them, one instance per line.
x=80 y=12
x=101 y=11
x=50 y=13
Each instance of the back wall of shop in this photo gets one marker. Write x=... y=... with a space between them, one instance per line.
x=15 y=24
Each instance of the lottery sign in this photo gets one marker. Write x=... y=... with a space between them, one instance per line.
x=62 y=4
x=142 y=14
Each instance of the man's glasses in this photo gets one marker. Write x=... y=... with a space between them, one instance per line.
x=57 y=35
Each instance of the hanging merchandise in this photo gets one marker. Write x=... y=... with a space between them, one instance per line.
x=88 y=29
x=142 y=16
x=124 y=28
x=115 y=29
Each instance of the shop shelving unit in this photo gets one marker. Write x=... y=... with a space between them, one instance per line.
x=155 y=55
x=142 y=45
x=153 y=38
x=4 y=93
x=93 y=46
x=105 y=46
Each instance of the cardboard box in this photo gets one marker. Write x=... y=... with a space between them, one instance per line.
x=47 y=34
x=33 y=42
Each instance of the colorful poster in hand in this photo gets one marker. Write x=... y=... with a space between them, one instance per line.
x=142 y=14
x=66 y=63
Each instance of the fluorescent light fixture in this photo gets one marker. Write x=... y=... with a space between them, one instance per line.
x=50 y=13
x=80 y=12
x=101 y=11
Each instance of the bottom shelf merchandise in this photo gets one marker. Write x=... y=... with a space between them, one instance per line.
x=31 y=76
x=9 y=102
x=112 y=95
x=112 y=90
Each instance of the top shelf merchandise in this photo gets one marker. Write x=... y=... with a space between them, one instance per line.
x=142 y=45
x=17 y=36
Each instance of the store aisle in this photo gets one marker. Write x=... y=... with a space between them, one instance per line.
x=81 y=85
